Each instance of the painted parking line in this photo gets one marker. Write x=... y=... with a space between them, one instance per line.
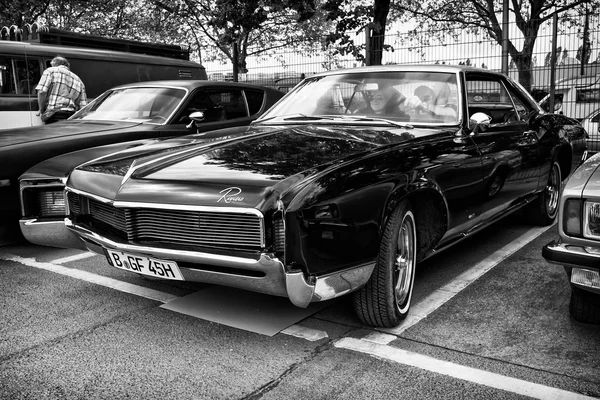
x=440 y=296
x=76 y=257
x=294 y=330
x=93 y=278
x=477 y=376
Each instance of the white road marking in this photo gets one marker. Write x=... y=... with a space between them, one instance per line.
x=436 y=299
x=76 y=257
x=458 y=371
x=305 y=333
x=380 y=338
x=294 y=330
x=93 y=278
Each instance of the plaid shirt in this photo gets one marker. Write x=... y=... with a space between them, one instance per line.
x=65 y=91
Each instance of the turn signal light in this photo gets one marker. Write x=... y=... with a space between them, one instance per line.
x=572 y=218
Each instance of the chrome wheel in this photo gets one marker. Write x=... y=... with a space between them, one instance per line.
x=404 y=262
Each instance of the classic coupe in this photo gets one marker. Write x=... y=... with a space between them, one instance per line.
x=577 y=248
x=136 y=111
x=344 y=186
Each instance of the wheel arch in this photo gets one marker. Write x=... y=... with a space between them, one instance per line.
x=431 y=215
x=564 y=157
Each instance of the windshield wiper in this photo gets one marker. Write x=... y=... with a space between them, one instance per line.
x=303 y=117
x=295 y=117
x=367 y=119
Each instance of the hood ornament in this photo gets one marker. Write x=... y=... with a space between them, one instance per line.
x=231 y=195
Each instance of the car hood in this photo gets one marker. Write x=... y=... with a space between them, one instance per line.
x=246 y=170
x=19 y=136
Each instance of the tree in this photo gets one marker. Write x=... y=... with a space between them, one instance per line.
x=255 y=26
x=21 y=12
x=485 y=16
x=349 y=16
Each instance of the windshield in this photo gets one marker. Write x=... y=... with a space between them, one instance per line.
x=410 y=97
x=142 y=104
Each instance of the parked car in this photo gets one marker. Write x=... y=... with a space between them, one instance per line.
x=322 y=196
x=135 y=111
x=577 y=248
x=591 y=123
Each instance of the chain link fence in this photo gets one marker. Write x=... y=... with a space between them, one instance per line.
x=576 y=83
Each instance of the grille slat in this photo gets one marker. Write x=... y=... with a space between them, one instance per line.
x=198 y=228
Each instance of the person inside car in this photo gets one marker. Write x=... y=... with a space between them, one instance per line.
x=433 y=101
x=385 y=100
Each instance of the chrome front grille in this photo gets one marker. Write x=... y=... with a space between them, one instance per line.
x=232 y=230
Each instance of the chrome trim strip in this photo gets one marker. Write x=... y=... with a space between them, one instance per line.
x=183 y=207
x=93 y=196
x=165 y=206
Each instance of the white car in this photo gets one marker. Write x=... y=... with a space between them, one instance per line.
x=591 y=123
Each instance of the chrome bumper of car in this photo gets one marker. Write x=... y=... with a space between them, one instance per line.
x=275 y=278
x=569 y=255
x=585 y=265
x=50 y=233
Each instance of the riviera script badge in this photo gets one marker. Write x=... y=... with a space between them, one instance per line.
x=231 y=195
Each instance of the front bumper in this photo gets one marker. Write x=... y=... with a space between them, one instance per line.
x=51 y=233
x=572 y=256
x=575 y=257
x=267 y=274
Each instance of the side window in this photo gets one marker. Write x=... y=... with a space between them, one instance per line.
x=217 y=105
x=490 y=97
x=255 y=100
x=233 y=102
x=18 y=76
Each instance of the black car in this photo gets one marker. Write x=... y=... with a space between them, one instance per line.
x=344 y=186
x=135 y=111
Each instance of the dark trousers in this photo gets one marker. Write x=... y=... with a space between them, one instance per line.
x=59 y=115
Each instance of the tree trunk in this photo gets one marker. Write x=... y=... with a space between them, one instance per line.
x=377 y=37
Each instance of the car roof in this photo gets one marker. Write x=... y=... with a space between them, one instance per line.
x=411 y=67
x=191 y=84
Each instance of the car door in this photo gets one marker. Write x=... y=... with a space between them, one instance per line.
x=509 y=148
x=222 y=107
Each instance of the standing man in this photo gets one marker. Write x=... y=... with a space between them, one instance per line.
x=60 y=92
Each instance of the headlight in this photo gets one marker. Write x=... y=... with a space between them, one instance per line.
x=591 y=220
x=51 y=203
x=43 y=201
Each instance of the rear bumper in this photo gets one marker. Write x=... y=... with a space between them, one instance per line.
x=267 y=274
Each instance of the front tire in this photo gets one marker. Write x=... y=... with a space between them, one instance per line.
x=584 y=306
x=385 y=300
x=544 y=209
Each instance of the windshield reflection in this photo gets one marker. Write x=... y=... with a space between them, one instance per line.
x=415 y=96
x=144 y=104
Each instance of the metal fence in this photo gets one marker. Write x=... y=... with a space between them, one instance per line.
x=577 y=85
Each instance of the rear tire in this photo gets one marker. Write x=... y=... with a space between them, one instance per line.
x=385 y=300
x=584 y=306
x=544 y=209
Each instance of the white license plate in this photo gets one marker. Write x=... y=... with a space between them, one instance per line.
x=144 y=265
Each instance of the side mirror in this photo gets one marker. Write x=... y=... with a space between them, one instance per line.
x=196 y=116
x=479 y=122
